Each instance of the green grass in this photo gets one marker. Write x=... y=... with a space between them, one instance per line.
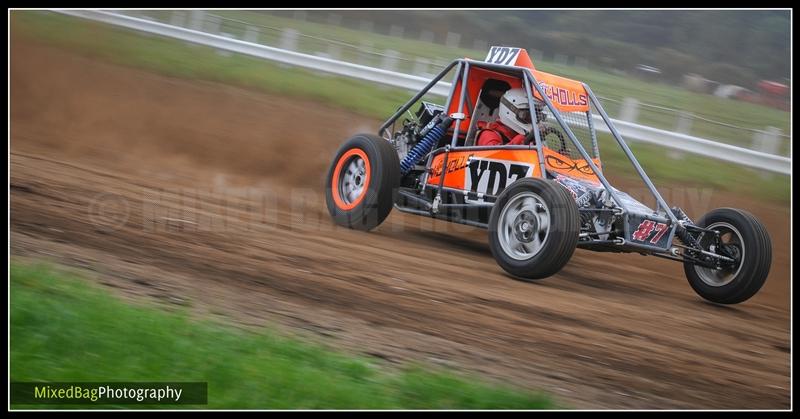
x=179 y=59
x=63 y=328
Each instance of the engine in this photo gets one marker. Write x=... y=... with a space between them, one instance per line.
x=418 y=137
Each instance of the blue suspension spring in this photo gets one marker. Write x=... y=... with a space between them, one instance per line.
x=422 y=148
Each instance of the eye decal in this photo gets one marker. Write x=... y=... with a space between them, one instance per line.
x=585 y=169
x=558 y=163
x=569 y=166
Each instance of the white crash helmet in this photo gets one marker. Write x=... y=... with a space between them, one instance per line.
x=515 y=112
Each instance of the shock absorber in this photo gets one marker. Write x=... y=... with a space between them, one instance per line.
x=685 y=237
x=425 y=145
x=679 y=214
x=681 y=231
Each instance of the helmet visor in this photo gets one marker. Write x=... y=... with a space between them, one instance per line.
x=522 y=115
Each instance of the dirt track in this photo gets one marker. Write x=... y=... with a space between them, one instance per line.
x=210 y=196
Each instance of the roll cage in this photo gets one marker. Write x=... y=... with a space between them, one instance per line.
x=461 y=99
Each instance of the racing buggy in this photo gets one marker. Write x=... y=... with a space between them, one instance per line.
x=540 y=198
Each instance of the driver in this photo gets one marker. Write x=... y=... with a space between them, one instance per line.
x=514 y=124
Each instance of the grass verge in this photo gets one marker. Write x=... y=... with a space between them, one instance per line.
x=65 y=329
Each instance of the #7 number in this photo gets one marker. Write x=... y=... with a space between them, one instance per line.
x=646 y=229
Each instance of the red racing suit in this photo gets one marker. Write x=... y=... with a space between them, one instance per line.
x=496 y=133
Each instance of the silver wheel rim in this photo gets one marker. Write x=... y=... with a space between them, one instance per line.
x=729 y=235
x=352 y=180
x=523 y=226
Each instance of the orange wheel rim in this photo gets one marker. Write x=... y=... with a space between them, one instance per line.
x=351 y=178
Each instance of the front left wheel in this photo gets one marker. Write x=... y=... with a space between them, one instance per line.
x=533 y=228
x=362 y=181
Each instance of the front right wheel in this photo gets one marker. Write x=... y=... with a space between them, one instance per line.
x=742 y=238
x=533 y=228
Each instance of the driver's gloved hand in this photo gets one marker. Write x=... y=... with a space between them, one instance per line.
x=530 y=138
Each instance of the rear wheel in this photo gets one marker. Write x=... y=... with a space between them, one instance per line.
x=533 y=228
x=361 y=182
x=741 y=238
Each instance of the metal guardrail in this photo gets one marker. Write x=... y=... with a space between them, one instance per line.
x=700 y=146
x=629 y=131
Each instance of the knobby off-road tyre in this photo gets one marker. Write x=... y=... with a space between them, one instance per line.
x=362 y=182
x=748 y=239
x=533 y=228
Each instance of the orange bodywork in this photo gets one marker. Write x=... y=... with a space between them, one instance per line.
x=489 y=171
x=501 y=167
x=575 y=168
x=458 y=164
x=567 y=95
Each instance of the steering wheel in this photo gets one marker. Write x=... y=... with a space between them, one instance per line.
x=529 y=138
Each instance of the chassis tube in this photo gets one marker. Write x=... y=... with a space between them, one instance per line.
x=535 y=127
x=415 y=198
x=590 y=123
x=418 y=96
x=631 y=157
x=464 y=74
x=482 y=147
x=441 y=216
x=438 y=198
x=453 y=83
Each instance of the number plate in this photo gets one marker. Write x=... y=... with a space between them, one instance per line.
x=649 y=232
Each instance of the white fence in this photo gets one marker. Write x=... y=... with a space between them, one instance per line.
x=630 y=131
x=768 y=139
